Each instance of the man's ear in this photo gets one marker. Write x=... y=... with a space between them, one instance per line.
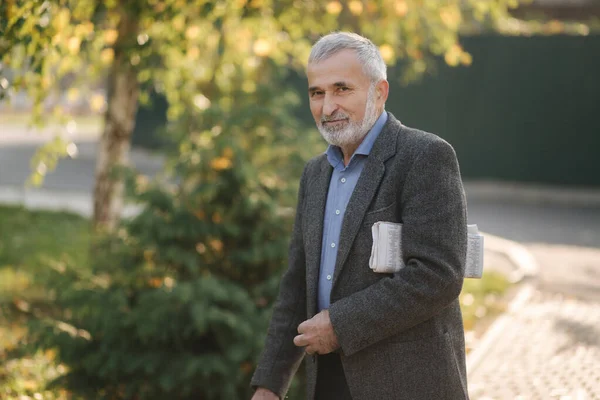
x=382 y=91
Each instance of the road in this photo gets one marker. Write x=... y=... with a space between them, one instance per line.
x=537 y=223
x=505 y=216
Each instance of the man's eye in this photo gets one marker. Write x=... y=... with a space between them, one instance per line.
x=316 y=93
x=344 y=88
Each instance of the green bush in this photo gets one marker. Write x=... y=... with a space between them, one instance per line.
x=177 y=303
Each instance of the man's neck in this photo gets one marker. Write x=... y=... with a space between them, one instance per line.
x=348 y=151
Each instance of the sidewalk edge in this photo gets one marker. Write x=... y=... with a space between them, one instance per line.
x=478 y=354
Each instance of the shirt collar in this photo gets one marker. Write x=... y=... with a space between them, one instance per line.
x=334 y=153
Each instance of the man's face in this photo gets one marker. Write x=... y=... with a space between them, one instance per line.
x=343 y=101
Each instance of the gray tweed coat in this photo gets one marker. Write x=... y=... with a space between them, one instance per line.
x=401 y=334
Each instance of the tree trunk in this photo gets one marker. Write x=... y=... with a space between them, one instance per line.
x=119 y=121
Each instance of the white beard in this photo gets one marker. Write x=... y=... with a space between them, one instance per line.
x=352 y=133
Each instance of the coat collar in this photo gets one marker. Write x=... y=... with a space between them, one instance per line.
x=366 y=188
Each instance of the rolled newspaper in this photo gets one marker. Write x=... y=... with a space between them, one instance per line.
x=386 y=253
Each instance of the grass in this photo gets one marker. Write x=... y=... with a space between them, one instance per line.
x=482 y=297
x=29 y=241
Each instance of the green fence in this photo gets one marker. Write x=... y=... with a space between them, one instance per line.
x=527 y=110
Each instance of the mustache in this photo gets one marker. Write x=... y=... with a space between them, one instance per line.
x=334 y=117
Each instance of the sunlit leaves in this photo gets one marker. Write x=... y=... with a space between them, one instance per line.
x=97 y=103
x=401 y=8
x=261 y=47
x=334 y=7
x=184 y=47
x=387 y=52
x=46 y=158
x=110 y=36
x=455 y=55
x=451 y=16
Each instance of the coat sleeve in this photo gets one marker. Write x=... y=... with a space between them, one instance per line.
x=280 y=358
x=434 y=241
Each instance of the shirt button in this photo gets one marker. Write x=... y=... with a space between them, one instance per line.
x=343 y=180
x=337 y=212
x=332 y=244
x=328 y=277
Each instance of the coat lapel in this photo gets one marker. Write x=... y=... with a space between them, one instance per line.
x=315 y=202
x=366 y=188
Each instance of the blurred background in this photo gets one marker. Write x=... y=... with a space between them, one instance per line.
x=150 y=152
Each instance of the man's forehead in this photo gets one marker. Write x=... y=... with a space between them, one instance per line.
x=342 y=66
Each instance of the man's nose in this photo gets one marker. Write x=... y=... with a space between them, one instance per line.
x=329 y=105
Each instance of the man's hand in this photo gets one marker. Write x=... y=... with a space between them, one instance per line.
x=264 y=394
x=317 y=335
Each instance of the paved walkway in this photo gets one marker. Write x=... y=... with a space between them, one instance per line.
x=547 y=346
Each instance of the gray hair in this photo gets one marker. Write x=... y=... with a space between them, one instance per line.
x=368 y=54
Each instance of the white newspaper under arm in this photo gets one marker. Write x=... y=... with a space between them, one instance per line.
x=386 y=254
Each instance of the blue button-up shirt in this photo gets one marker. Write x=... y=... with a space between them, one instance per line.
x=341 y=186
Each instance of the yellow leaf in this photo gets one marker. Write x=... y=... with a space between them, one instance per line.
x=107 y=56
x=451 y=16
x=554 y=27
x=179 y=22
x=36 y=179
x=155 y=282
x=356 y=7
x=201 y=101
x=193 y=53
x=29 y=385
x=73 y=44
x=453 y=54
x=22 y=305
x=97 y=103
x=401 y=8
x=262 y=47
x=192 y=32
x=216 y=218
x=62 y=19
x=46 y=81
x=56 y=39
x=334 y=7
x=466 y=59
x=372 y=6
x=110 y=36
x=50 y=354
x=387 y=52
x=201 y=248
x=216 y=245
x=221 y=163
x=84 y=29
x=249 y=86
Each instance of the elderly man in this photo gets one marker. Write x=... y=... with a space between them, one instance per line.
x=368 y=335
